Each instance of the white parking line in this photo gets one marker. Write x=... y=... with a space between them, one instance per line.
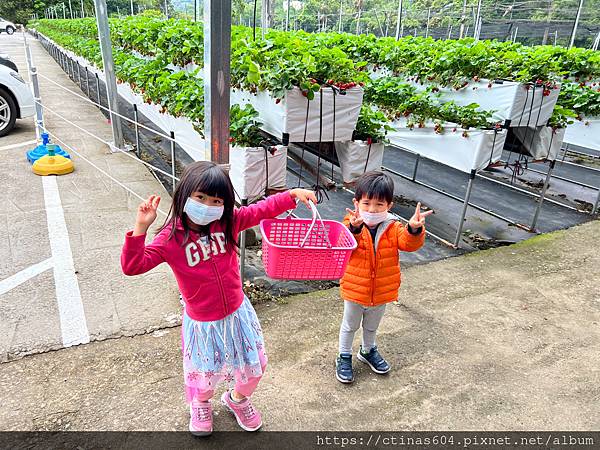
x=21 y=277
x=70 y=307
x=22 y=144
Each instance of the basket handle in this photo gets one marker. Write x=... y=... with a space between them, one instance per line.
x=312 y=225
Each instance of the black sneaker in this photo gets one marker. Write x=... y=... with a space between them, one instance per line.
x=374 y=360
x=343 y=368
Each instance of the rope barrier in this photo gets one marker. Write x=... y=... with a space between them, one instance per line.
x=111 y=111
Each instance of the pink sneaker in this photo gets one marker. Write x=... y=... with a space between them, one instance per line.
x=201 y=419
x=246 y=415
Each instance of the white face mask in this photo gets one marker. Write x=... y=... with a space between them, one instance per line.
x=201 y=214
x=372 y=219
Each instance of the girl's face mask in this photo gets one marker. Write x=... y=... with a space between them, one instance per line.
x=200 y=213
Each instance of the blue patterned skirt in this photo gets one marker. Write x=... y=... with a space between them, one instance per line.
x=230 y=350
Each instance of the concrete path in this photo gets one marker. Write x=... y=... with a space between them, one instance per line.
x=505 y=339
x=66 y=287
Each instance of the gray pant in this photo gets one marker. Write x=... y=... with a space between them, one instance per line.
x=354 y=313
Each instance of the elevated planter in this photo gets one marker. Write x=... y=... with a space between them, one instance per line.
x=287 y=119
x=584 y=133
x=358 y=157
x=253 y=170
x=522 y=104
x=464 y=150
x=541 y=142
x=186 y=134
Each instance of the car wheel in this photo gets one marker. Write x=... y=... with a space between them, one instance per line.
x=10 y=30
x=8 y=112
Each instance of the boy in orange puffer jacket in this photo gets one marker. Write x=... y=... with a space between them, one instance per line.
x=372 y=278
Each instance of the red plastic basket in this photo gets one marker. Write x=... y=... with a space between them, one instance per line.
x=305 y=249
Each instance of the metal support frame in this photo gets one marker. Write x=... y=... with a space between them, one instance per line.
x=173 y=162
x=465 y=206
x=244 y=202
x=137 y=131
x=87 y=81
x=525 y=191
x=217 y=50
x=109 y=70
x=595 y=208
x=454 y=197
x=98 y=89
x=541 y=200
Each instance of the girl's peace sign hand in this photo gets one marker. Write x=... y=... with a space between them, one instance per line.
x=418 y=218
x=146 y=213
x=355 y=219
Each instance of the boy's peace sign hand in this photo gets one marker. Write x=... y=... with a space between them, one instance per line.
x=146 y=213
x=418 y=218
x=355 y=219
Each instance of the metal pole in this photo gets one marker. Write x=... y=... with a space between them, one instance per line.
x=109 y=70
x=287 y=16
x=428 y=17
x=166 y=9
x=243 y=246
x=217 y=50
x=264 y=16
x=541 y=200
x=132 y=13
x=98 y=89
x=195 y=10
x=462 y=20
x=464 y=210
x=137 y=131
x=39 y=115
x=87 y=81
x=596 y=42
x=173 y=162
x=79 y=75
x=477 y=18
x=414 y=175
x=399 y=19
x=340 y=27
x=595 y=208
x=574 y=32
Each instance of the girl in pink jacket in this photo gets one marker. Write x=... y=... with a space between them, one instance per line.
x=221 y=335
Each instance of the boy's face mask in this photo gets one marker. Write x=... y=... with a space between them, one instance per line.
x=200 y=213
x=372 y=219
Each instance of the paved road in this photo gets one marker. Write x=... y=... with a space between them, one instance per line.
x=60 y=278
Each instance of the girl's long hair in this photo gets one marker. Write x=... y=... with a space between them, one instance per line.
x=209 y=178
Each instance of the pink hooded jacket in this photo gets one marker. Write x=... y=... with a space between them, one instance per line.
x=208 y=275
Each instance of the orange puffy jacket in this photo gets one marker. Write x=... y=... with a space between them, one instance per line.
x=373 y=274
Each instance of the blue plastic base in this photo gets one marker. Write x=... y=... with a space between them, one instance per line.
x=41 y=150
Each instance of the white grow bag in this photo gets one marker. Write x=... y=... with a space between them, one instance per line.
x=541 y=142
x=508 y=99
x=584 y=133
x=289 y=115
x=352 y=156
x=474 y=152
x=249 y=167
x=186 y=136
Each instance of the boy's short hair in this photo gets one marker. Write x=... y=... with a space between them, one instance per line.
x=375 y=185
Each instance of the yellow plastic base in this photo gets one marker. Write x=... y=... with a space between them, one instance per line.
x=53 y=165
